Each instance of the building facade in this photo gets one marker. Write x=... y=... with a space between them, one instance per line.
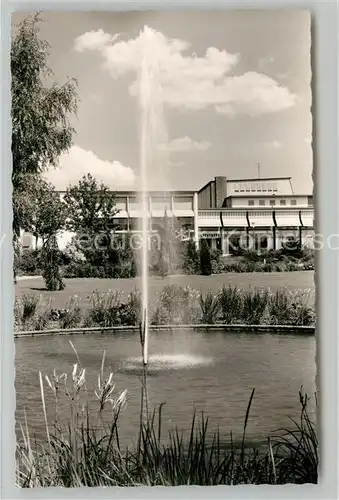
x=260 y=213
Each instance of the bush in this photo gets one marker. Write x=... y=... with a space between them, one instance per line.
x=191 y=262
x=205 y=259
x=105 y=309
x=50 y=264
x=176 y=305
x=72 y=315
x=210 y=307
x=130 y=312
x=30 y=313
x=254 y=306
x=230 y=300
x=28 y=263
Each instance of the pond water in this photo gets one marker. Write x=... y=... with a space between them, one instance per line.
x=210 y=371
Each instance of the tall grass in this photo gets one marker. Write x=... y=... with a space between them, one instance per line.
x=31 y=312
x=104 y=309
x=174 y=305
x=88 y=452
x=230 y=304
x=210 y=307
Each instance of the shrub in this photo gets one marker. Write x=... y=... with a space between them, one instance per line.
x=254 y=305
x=176 y=304
x=230 y=300
x=105 y=309
x=191 y=262
x=210 y=307
x=30 y=313
x=205 y=259
x=50 y=263
x=28 y=263
x=130 y=312
x=72 y=315
x=279 y=310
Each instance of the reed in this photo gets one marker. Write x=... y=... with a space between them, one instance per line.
x=88 y=451
x=174 y=305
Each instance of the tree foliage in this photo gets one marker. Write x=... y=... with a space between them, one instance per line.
x=91 y=207
x=40 y=209
x=191 y=258
x=41 y=129
x=51 y=265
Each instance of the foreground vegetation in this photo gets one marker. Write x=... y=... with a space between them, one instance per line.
x=122 y=264
x=174 y=305
x=88 y=453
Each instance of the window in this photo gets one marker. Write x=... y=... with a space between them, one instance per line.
x=251 y=203
x=242 y=188
x=247 y=187
x=293 y=202
x=275 y=186
x=282 y=202
x=272 y=203
x=253 y=187
x=262 y=203
x=264 y=186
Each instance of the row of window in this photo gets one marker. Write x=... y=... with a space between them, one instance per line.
x=272 y=203
x=255 y=187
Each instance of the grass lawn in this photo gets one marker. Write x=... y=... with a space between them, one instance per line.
x=83 y=287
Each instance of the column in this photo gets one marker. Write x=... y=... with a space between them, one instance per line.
x=270 y=243
x=224 y=242
x=196 y=221
x=127 y=211
x=278 y=239
x=251 y=240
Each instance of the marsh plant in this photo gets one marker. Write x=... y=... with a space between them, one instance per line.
x=31 y=312
x=88 y=450
x=174 y=305
x=72 y=315
x=210 y=307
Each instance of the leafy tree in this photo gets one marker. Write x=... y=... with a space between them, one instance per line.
x=172 y=248
x=41 y=211
x=91 y=207
x=41 y=129
x=205 y=259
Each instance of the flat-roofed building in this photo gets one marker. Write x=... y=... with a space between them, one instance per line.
x=266 y=210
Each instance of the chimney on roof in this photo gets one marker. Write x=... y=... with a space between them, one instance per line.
x=220 y=184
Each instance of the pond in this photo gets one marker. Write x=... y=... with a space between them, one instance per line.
x=211 y=371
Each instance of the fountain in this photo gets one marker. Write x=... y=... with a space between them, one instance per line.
x=153 y=135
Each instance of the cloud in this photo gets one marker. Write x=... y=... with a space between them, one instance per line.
x=184 y=144
x=274 y=144
x=189 y=81
x=78 y=162
x=265 y=62
x=176 y=163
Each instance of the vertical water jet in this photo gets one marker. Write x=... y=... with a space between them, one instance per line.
x=152 y=134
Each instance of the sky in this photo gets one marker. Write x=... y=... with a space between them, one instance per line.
x=234 y=89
